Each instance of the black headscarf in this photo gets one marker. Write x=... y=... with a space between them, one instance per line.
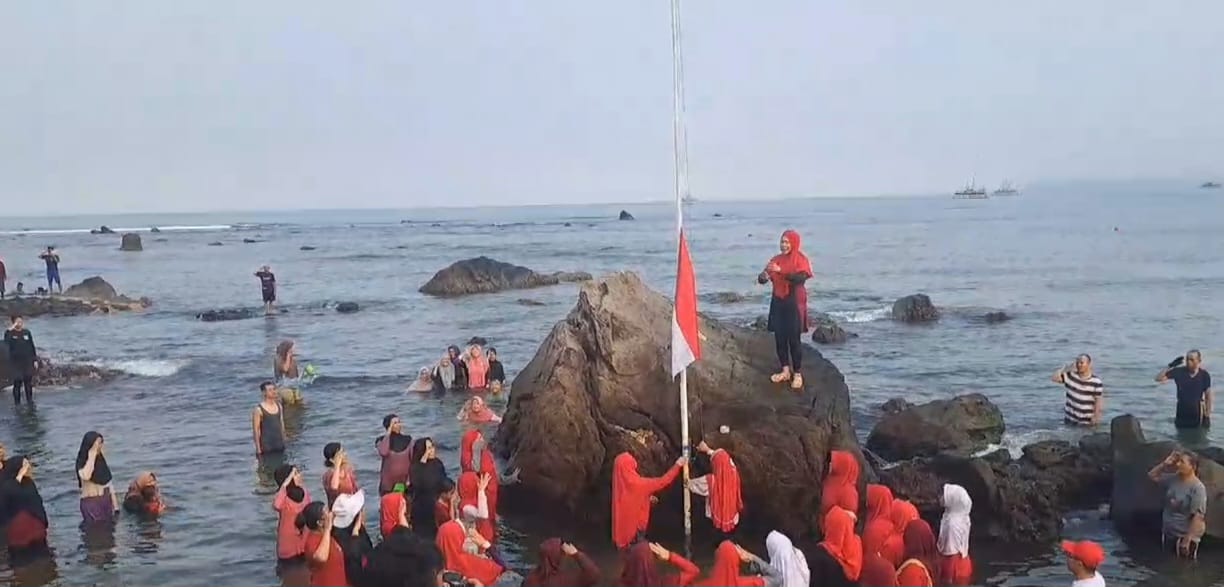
x=329 y=452
x=427 y=480
x=399 y=442
x=101 y=471
x=18 y=496
x=293 y=490
x=402 y=558
x=355 y=549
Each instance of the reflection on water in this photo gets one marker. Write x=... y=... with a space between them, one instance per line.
x=265 y=469
x=98 y=543
x=146 y=535
x=42 y=570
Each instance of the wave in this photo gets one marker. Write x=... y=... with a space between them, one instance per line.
x=858 y=316
x=176 y=228
x=142 y=367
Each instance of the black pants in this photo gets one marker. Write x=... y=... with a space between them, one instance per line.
x=790 y=349
x=27 y=381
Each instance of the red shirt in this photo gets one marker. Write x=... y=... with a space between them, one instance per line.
x=330 y=573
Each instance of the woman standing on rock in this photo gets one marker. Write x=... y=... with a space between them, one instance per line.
x=631 y=494
x=787 y=272
x=955 y=567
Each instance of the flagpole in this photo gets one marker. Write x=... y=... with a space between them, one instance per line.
x=680 y=154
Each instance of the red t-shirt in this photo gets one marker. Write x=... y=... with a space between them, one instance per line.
x=330 y=573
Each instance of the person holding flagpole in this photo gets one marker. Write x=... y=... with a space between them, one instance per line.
x=787 y=272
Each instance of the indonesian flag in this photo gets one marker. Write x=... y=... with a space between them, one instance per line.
x=685 y=340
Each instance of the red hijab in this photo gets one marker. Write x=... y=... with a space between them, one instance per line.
x=726 y=503
x=487 y=465
x=726 y=571
x=790 y=263
x=920 y=544
x=469 y=493
x=841 y=483
x=630 y=501
x=450 y=544
x=879 y=519
x=389 y=510
x=639 y=569
x=842 y=543
x=551 y=557
x=901 y=514
x=877 y=572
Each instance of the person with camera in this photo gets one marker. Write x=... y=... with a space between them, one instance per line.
x=1183 y=519
x=1194 y=395
x=1085 y=393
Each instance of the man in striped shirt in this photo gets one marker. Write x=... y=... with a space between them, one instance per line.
x=1085 y=392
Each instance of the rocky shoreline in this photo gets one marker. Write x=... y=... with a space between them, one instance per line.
x=92 y=296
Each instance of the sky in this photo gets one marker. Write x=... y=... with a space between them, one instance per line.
x=155 y=106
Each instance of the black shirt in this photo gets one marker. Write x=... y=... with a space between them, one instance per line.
x=267 y=280
x=496 y=371
x=1190 y=392
x=20 y=346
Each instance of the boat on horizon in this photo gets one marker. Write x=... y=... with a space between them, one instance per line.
x=1006 y=189
x=1210 y=185
x=971 y=192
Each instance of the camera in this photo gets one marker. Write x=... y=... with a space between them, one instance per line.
x=453 y=579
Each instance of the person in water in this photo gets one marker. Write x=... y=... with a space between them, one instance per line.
x=639 y=567
x=1083 y=560
x=144 y=497
x=488 y=572
x=955 y=566
x=286 y=373
x=474 y=458
x=497 y=373
x=323 y=554
x=550 y=571
x=22 y=514
x=902 y=513
x=393 y=448
x=839 y=559
x=349 y=531
x=476 y=412
x=291 y=498
x=878 y=526
x=428 y=475
x=22 y=358
x=788 y=272
x=477 y=368
x=267 y=287
x=1085 y=396
x=98 y=500
x=721 y=488
x=268 y=422
x=424 y=381
x=631 y=495
x=474 y=510
x=393 y=510
x=444 y=374
x=1183 y=519
x=52 y=259
x=921 y=566
x=840 y=487
x=340 y=478
x=460 y=382
x=789 y=563
x=1194 y=394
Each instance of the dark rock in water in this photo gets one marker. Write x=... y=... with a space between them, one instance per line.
x=895 y=405
x=226 y=314
x=1137 y=500
x=161 y=240
x=57 y=374
x=625 y=215
x=347 y=307
x=529 y=302
x=826 y=330
x=485 y=275
x=567 y=225
x=599 y=386
x=155 y=229
x=251 y=241
x=915 y=308
x=306 y=248
x=215 y=244
x=996 y=317
x=103 y=230
x=724 y=297
x=92 y=296
x=131 y=242
x=760 y=323
x=718 y=214
x=572 y=276
x=480 y=340
x=964 y=424
x=93 y=288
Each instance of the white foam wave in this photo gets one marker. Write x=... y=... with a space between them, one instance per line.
x=1015 y=443
x=142 y=367
x=119 y=229
x=857 y=316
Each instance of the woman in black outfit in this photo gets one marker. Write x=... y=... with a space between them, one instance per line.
x=22 y=514
x=787 y=272
x=427 y=477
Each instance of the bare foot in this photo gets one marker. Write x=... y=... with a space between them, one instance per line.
x=797 y=382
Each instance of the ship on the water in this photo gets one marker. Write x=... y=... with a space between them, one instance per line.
x=1007 y=189
x=971 y=192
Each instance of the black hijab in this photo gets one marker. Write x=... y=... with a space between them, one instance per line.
x=18 y=496
x=293 y=490
x=101 y=471
x=399 y=442
x=427 y=480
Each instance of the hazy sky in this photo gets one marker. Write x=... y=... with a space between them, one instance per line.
x=156 y=105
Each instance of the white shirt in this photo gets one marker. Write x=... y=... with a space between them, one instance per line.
x=1096 y=580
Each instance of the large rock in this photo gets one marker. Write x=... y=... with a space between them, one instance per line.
x=826 y=330
x=625 y=215
x=131 y=242
x=915 y=308
x=93 y=288
x=1137 y=500
x=485 y=275
x=102 y=230
x=92 y=296
x=55 y=374
x=963 y=424
x=599 y=385
x=1020 y=501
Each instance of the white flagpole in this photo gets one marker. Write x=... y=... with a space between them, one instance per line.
x=680 y=153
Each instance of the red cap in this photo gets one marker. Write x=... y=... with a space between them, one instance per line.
x=1086 y=551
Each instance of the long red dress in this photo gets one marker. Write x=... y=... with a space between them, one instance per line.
x=486 y=465
x=631 y=497
x=879 y=526
x=725 y=500
x=840 y=487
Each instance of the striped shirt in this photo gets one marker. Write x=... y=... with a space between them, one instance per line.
x=1082 y=394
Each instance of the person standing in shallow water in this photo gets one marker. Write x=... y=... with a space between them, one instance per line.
x=339 y=478
x=1194 y=395
x=285 y=372
x=268 y=422
x=22 y=514
x=99 y=503
x=267 y=287
x=393 y=447
x=23 y=358
x=787 y=273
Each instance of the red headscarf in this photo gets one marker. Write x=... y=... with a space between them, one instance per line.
x=902 y=513
x=487 y=465
x=450 y=544
x=841 y=483
x=726 y=503
x=551 y=557
x=726 y=571
x=469 y=493
x=790 y=263
x=877 y=572
x=389 y=510
x=639 y=569
x=920 y=544
x=842 y=543
x=879 y=521
x=631 y=498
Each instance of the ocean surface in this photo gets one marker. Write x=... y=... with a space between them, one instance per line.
x=1128 y=273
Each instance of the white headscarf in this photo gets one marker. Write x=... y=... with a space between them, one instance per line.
x=787 y=560
x=954 y=526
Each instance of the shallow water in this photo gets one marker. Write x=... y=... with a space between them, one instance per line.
x=1133 y=298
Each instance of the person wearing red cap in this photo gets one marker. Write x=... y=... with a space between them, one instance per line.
x=1083 y=559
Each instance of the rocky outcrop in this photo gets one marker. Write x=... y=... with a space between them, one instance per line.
x=724 y=297
x=996 y=317
x=624 y=215
x=599 y=385
x=131 y=242
x=826 y=330
x=1137 y=501
x=964 y=424
x=1015 y=501
x=92 y=296
x=572 y=276
x=347 y=307
x=227 y=314
x=914 y=309
x=56 y=374
x=155 y=229
x=102 y=230
x=485 y=275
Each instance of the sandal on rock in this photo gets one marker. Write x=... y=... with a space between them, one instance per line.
x=780 y=377
x=797 y=382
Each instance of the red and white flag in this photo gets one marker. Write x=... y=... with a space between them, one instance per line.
x=685 y=340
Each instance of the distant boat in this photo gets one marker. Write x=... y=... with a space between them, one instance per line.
x=1210 y=185
x=971 y=192
x=1007 y=189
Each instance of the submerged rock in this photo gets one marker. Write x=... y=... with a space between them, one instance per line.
x=625 y=215
x=529 y=302
x=155 y=229
x=347 y=307
x=485 y=275
x=964 y=424
x=102 y=230
x=56 y=374
x=996 y=317
x=251 y=241
x=915 y=308
x=131 y=242
x=226 y=314
x=826 y=330
x=306 y=248
x=572 y=276
x=216 y=244
x=599 y=385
